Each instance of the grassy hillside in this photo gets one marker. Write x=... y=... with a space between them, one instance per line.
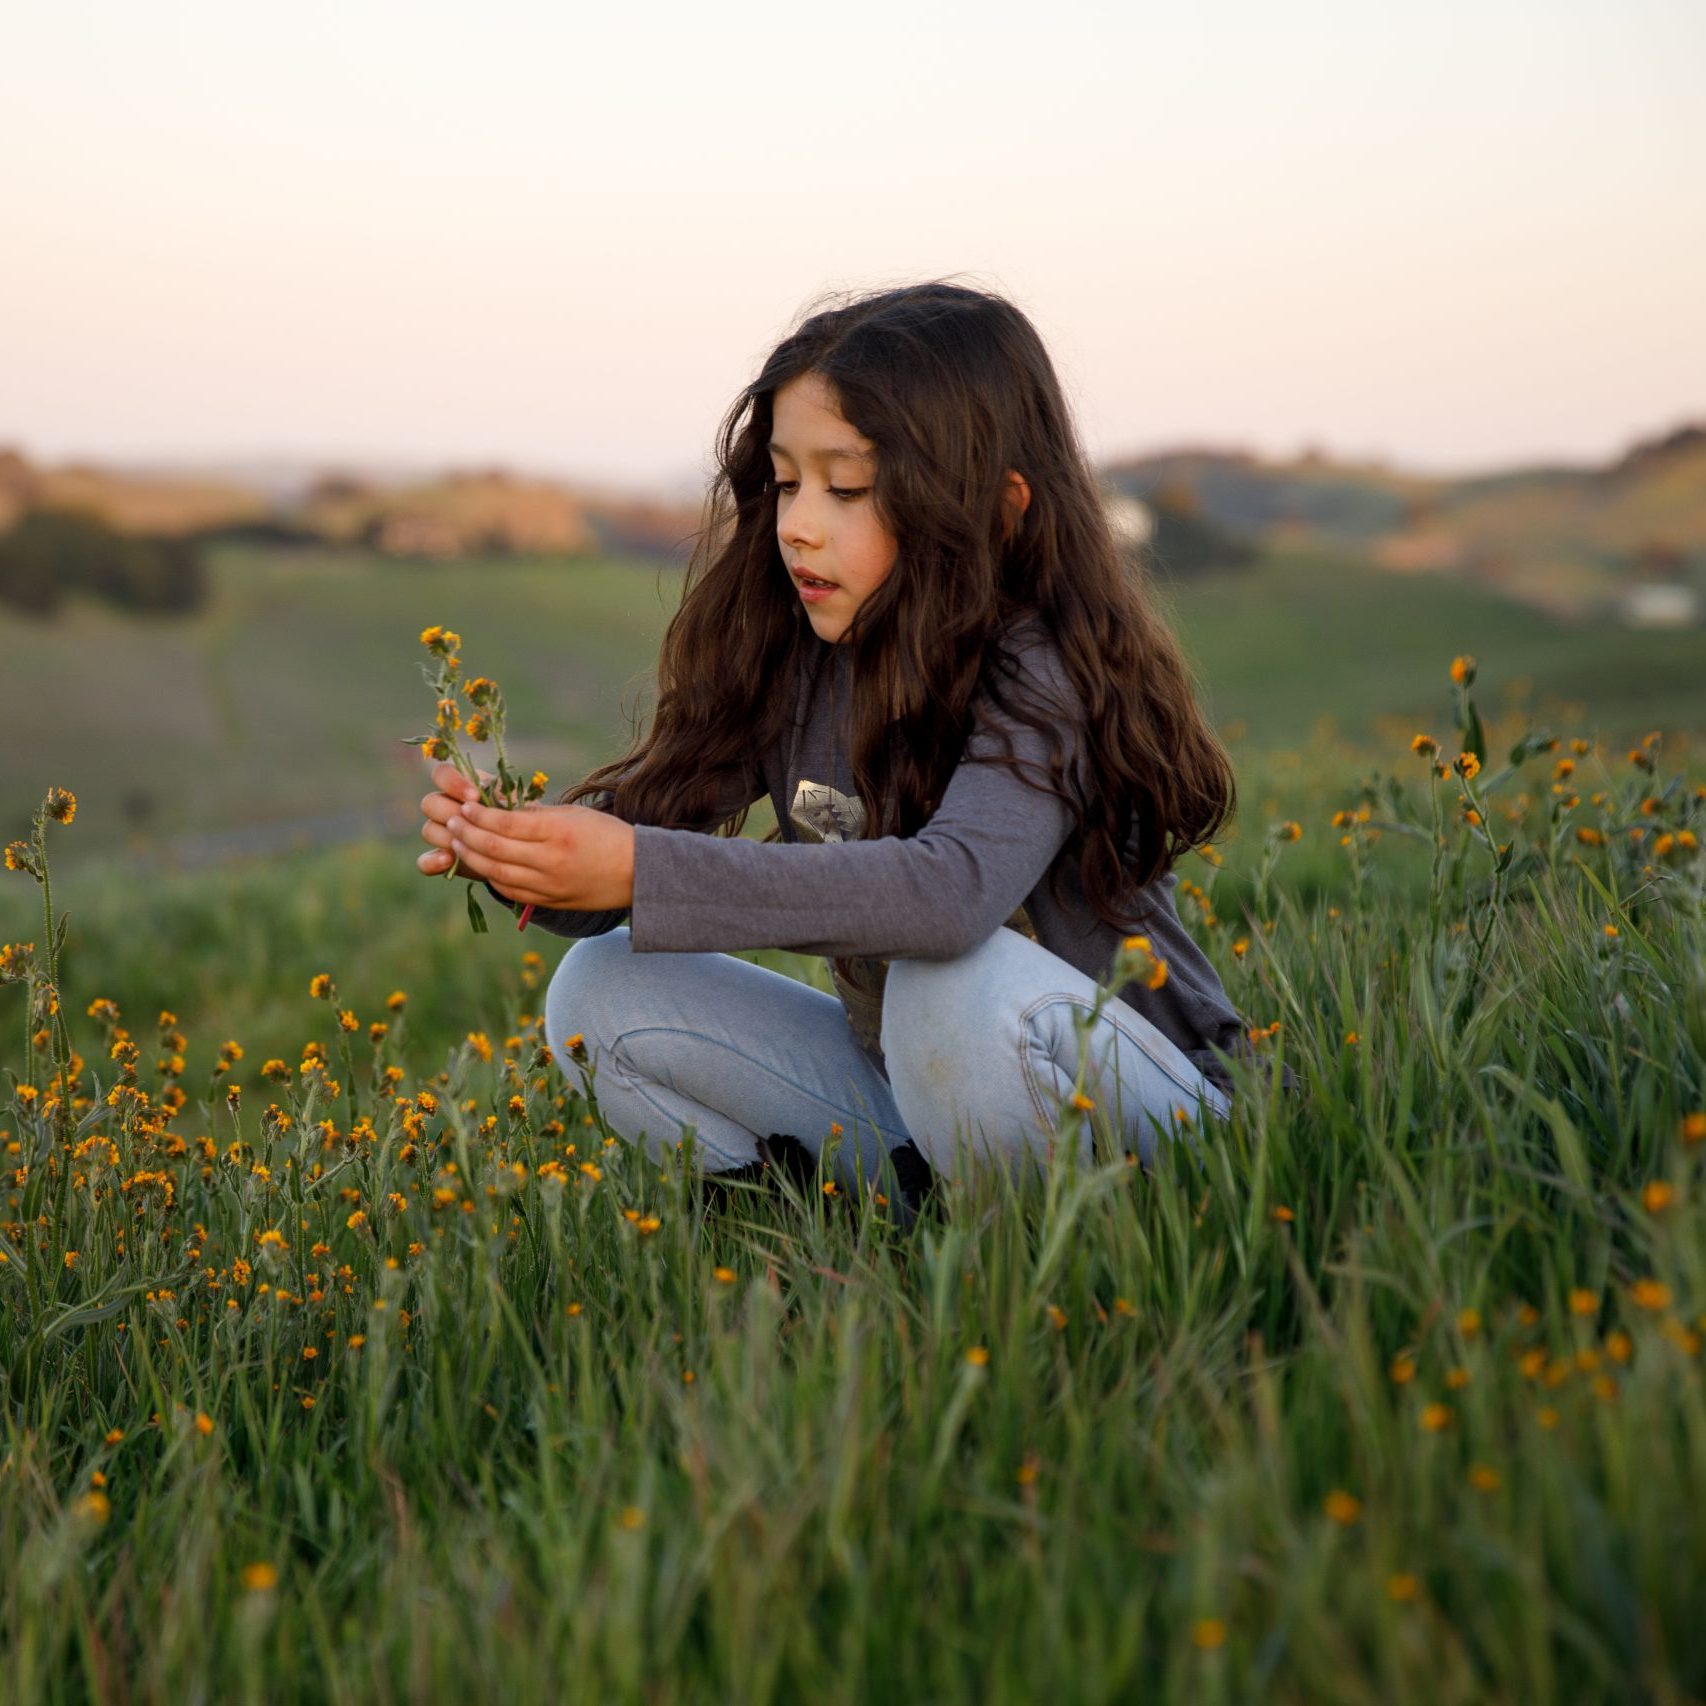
x=285 y=702
x=1560 y=538
x=404 y=1377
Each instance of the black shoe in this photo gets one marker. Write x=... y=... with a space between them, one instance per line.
x=779 y=1157
x=791 y=1159
x=916 y=1178
x=714 y=1190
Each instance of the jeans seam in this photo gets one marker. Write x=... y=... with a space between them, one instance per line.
x=1139 y=1041
x=751 y=1060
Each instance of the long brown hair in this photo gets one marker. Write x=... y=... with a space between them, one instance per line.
x=952 y=386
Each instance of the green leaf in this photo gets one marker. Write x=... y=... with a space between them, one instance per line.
x=104 y=1307
x=476 y=917
x=1474 y=736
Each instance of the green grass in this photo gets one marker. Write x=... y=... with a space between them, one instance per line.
x=1305 y=637
x=1092 y=1440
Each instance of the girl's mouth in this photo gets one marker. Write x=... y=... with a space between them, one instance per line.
x=811 y=590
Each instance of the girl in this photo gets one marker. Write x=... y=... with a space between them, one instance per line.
x=908 y=624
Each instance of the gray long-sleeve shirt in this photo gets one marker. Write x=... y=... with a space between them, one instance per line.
x=987 y=852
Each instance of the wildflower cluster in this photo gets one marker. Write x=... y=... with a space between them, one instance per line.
x=1500 y=827
x=484 y=720
x=304 y=1217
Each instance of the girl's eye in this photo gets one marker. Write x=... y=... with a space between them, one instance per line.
x=845 y=493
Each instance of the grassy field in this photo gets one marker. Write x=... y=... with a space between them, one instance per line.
x=400 y=1377
x=286 y=701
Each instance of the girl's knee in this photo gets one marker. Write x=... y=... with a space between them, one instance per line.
x=918 y=995
x=584 y=996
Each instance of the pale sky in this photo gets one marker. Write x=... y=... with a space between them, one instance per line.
x=563 y=237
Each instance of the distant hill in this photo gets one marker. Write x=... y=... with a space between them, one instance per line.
x=156 y=505
x=460 y=515
x=1252 y=498
x=1570 y=539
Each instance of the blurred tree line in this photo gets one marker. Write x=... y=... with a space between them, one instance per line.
x=1185 y=541
x=53 y=554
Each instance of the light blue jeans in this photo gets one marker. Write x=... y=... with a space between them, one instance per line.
x=981 y=1052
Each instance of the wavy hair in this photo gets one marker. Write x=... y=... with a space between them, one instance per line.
x=953 y=388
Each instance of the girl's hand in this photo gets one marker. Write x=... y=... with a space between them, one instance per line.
x=453 y=789
x=568 y=858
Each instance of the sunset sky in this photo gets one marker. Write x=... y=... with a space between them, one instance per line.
x=562 y=237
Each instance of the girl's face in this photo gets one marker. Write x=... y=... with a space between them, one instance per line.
x=826 y=519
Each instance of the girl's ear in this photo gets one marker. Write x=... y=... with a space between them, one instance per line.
x=1015 y=501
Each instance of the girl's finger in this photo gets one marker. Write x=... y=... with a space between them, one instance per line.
x=433 y=862
x=523 y=825
x=511 y=878
x=436 y=833
x=528 y=855
x=441 y=807
x=449 y=780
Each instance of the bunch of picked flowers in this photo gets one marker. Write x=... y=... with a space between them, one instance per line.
x=483 y=721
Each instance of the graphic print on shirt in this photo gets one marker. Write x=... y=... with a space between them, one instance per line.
x=823 y=814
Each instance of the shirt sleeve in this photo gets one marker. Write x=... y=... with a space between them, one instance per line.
x=933 y=895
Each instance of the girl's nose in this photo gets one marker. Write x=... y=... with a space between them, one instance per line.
x=798 y=524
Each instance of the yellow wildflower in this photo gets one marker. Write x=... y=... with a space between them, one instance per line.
x=1342 y=1507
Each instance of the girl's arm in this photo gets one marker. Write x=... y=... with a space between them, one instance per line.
x=934 y=895
x=527 y=856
